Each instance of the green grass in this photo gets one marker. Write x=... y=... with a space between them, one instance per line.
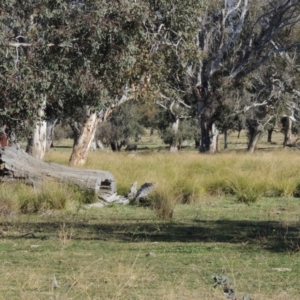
x=131 y=252
x=103 y=254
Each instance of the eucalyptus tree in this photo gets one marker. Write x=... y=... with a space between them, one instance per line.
x=174 y=113
x=124 y=123
x=172 y=32
x=185 y=130
x=85 y=53
x=274 y=91
x=231 y=40
x=225 y=121
x=23 y=84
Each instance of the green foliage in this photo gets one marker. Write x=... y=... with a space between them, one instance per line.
x=187 y=130
x=225 y=120
x=62 y=131
x=76 y=53
x=123 y=124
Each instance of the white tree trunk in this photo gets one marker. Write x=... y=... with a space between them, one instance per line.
x=214 y=139
x=87 y=134
x=93 y=146
x=255 y=130
x=36 y=143
x=175 y=127
x=50 y=133
x=100 y=145
x=288 y=132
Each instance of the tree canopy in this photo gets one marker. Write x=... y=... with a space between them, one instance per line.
x=77 y=53
x=201 y=57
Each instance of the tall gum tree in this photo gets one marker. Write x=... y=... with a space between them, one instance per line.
x=232 y=39
x=82 y=53
x=110 y=62
x=236 y=40
x=23 y=83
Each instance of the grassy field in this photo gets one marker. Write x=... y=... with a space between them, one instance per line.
x=129 y=252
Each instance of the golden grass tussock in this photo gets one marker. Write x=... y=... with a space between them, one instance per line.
x=194 y=175
x=50 y=195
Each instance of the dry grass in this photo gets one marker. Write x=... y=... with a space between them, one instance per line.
x=127 y=252
x=193 y=175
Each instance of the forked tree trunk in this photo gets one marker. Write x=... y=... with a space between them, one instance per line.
x=36 y=142
x=209 y=138
x=16 y=165
x=255 y=130
x=86 y=136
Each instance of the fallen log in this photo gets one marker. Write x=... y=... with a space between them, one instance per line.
x=16 y=165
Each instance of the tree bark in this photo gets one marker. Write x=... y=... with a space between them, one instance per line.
x=99 y=144
x=255 y=130
x=175 y=127
x=93 y=146
x=16 y=165
x=225 y=139
x=270 y=132
x=209 y=138
x=87 y=134
x=287 y=122
x=50 y=132
x=36 y=142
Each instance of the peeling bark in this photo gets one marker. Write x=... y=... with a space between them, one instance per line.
x=209 y=138
x=175 y=127
x=16 y=165
x=87 y=134
x=36 y=142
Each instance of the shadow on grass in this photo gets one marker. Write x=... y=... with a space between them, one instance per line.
x=269 y=235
